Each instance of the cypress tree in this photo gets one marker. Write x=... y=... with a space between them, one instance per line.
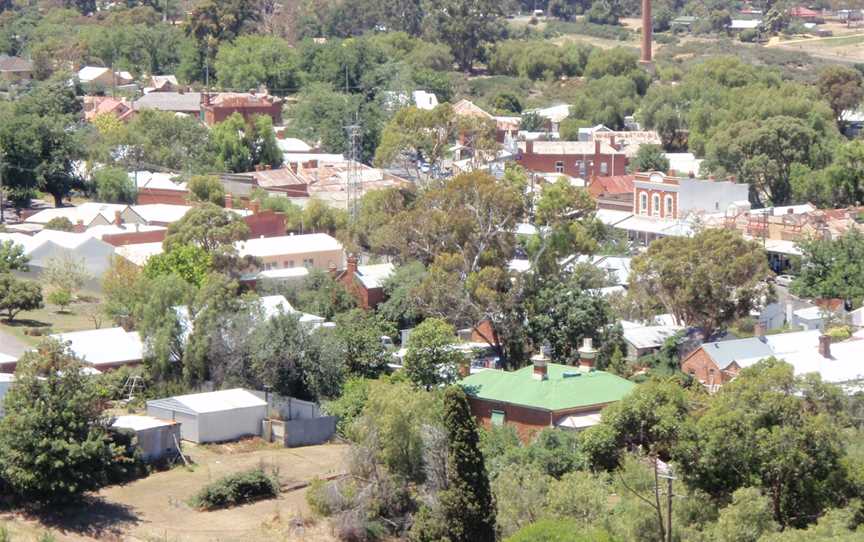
x=467 y=504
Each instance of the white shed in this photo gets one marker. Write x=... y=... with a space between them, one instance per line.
x=155 y=438
x=216 y=416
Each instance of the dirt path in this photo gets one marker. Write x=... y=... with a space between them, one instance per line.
x=155 y=509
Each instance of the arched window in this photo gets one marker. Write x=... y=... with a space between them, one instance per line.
x=668 y=206
x=655 y=205
x=643 y=203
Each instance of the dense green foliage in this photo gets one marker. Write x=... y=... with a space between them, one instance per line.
x=18 y=295
x=468 y=507
x=707 y=281
x=236 y=489
x=832 y=268
x=54 y=445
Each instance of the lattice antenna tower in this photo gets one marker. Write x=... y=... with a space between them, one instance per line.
x=353 y=180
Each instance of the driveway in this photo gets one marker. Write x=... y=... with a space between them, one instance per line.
x=10 y=344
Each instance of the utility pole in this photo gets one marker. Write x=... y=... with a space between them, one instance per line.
x=669 y=478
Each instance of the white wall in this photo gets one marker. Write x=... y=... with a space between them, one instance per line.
x=188 y=422
x=230 y=424
x=709 y=196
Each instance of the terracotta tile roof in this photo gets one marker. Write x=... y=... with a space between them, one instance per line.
x=468 y=108
x=15 y=64
x=620 y=184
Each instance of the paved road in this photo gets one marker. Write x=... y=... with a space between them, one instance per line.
x=10 y=344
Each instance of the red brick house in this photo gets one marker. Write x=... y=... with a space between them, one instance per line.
x=582 y=159
x=217 y=107
x=544 y=395
x=365 y=282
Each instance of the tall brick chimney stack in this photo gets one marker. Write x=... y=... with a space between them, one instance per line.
x=587 y=353
x=540 y=369
x=118 y=218
x=647 y=32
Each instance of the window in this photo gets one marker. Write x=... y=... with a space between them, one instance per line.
x=580 y=167
x=308 y=262
x=559 y=167
x=655 y=205
x=643 y=203
x=668 y=205
x=604 y=168
x=286 y=263
x=497 y=417
x=290 y=264
x=716 y=205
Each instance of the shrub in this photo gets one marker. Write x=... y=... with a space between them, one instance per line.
x=329 y=498
x=62 y=298
x=354 y=526
x=234 y=489
x=60 y=223
x=839 y=333
x=748 y=36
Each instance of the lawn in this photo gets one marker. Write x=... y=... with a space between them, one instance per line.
x=79 y=316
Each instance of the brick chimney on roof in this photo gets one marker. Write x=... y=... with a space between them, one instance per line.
x=540 y=367
x=587 y=353
x=79 y=226
x=118 y=218
x=352 y=265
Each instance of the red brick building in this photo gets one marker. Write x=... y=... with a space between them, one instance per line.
x=582 y=159
x=365 y=282
x=217 y=107
x=544 y=395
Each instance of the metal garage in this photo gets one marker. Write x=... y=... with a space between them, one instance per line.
x=216 y=416
x=155 y=438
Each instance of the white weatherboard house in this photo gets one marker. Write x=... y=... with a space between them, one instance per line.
x=216 y=416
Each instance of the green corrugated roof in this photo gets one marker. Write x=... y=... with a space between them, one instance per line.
x=555 y=393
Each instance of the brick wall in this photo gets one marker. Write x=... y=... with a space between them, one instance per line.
x=266 y=224
x=156 y=195
x=134 y=237
x=214 y=114
x=526 y=421
x=700 y=366
x=615 y=164
x=650 y=193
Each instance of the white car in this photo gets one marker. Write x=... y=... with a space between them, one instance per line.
x=784 y=280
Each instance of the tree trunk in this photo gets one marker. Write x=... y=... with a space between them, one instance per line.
x=58 y=200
